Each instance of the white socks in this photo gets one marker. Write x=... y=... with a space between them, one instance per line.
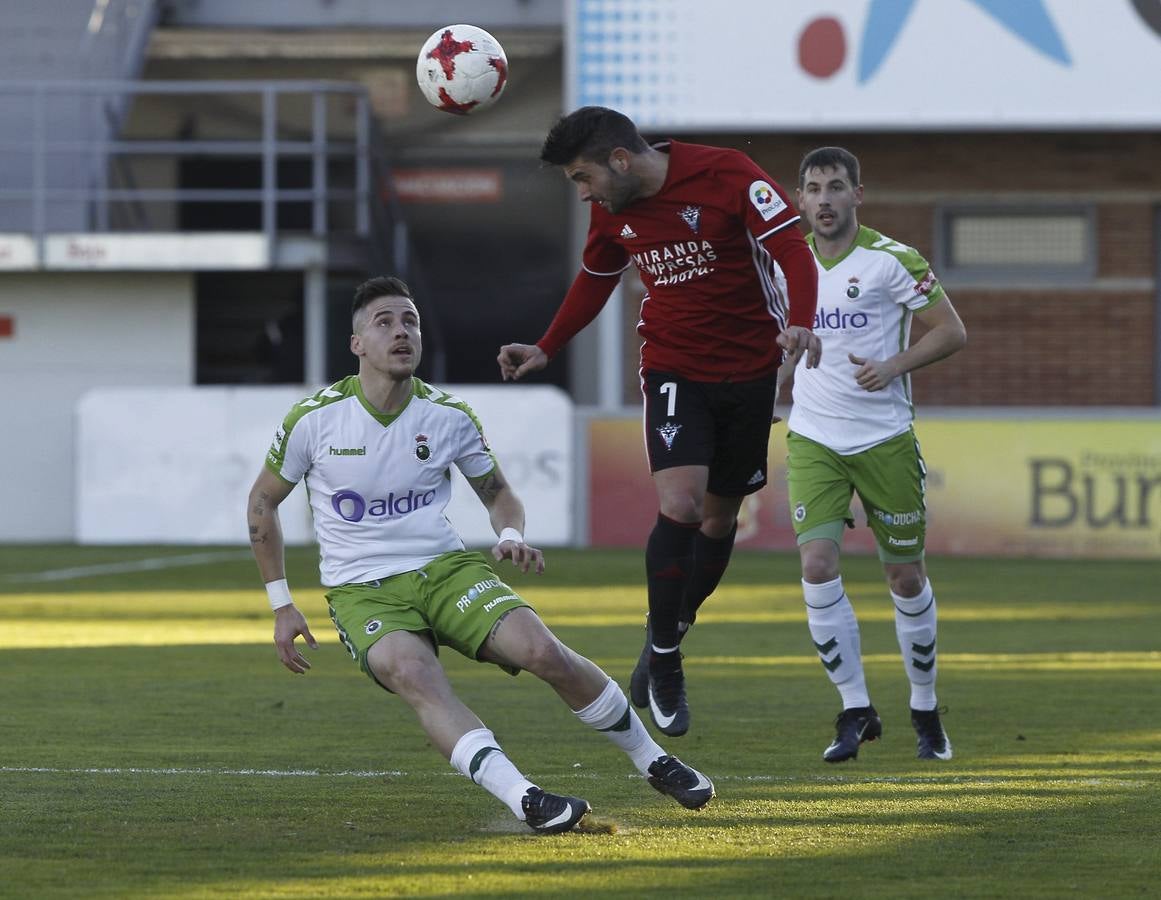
x=835 y=633
x=611 y=715
x=478 y=755
x=915 y=628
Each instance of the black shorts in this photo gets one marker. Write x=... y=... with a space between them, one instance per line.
x=724 y=425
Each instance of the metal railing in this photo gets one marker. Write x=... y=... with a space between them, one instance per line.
x=89 y=150
x=58 y=150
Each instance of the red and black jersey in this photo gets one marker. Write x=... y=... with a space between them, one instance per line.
x=712 y=248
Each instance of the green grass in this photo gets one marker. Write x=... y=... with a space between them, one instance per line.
x=144 y=719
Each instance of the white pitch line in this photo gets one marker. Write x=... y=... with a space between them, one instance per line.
x=949 y=779
x=267 y=773
x=138 y=565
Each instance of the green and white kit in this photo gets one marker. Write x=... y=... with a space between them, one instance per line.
x=456 y=600
x=866 y=299
x=844 y=439
x=379 y=484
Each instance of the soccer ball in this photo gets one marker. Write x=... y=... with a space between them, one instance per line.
x=461 y=69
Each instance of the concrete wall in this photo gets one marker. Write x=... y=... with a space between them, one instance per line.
x=71 y=333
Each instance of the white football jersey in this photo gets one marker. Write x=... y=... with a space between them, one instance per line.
x=379 y=484
x=866 y=299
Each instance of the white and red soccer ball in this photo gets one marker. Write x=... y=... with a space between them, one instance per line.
x=461 y=69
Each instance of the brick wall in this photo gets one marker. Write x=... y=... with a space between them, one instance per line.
x=1031 y=349
x=1088 y=344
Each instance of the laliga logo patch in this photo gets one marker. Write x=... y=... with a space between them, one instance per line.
x=853 y=288
x=926 y=284
x=422 y=450
x=373 y=626
x=766 y=200
x=800 y=512
x=691 y=216
x=668 y=433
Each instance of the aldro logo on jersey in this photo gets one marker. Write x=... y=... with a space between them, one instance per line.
x=354 y=507
x=838 y=320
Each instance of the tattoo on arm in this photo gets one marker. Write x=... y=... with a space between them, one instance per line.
x=488 y=487
x=258 y=510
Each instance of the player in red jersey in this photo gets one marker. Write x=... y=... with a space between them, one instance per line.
x=730 y=285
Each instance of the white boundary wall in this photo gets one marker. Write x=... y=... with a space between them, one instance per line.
x=71 y=333
x=174 y=465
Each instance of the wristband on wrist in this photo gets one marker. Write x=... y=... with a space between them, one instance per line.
x=511 y=534
x=279 y=593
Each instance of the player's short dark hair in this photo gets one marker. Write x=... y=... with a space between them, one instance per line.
x=379 y=286
x=590 y=133
x=829 y=158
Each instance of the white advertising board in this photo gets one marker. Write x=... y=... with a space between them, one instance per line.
x=17 y=252
x=165 y=252
x=175 y=465
x=778 y=65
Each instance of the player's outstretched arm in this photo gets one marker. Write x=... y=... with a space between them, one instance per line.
x=507 y=514
x=945 y=336
x=517 y=360
x=585 y=298
x=785 y=376
x=268 y=547
x=794 y=256
x=796 y=340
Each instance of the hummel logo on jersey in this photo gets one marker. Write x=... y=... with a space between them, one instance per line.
x=628 y=232
x=756 y=478
x=691 y=215
x=668 y=433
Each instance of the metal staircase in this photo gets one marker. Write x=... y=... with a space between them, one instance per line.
x=49 y=42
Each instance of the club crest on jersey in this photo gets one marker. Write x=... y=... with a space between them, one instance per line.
x=422 y=450
x=766 y=200
x=691 y=216
x=800 y=512
x=853 y=287
x=373 y=626
x=668 y=433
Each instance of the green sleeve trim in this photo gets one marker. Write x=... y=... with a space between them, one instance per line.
x=271 y=466
x=276 y=455
x=909 y=258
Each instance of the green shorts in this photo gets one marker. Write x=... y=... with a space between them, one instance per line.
x=455 y=600
x=889 y=479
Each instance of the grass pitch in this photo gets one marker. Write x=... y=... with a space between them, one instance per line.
x=151 y=746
